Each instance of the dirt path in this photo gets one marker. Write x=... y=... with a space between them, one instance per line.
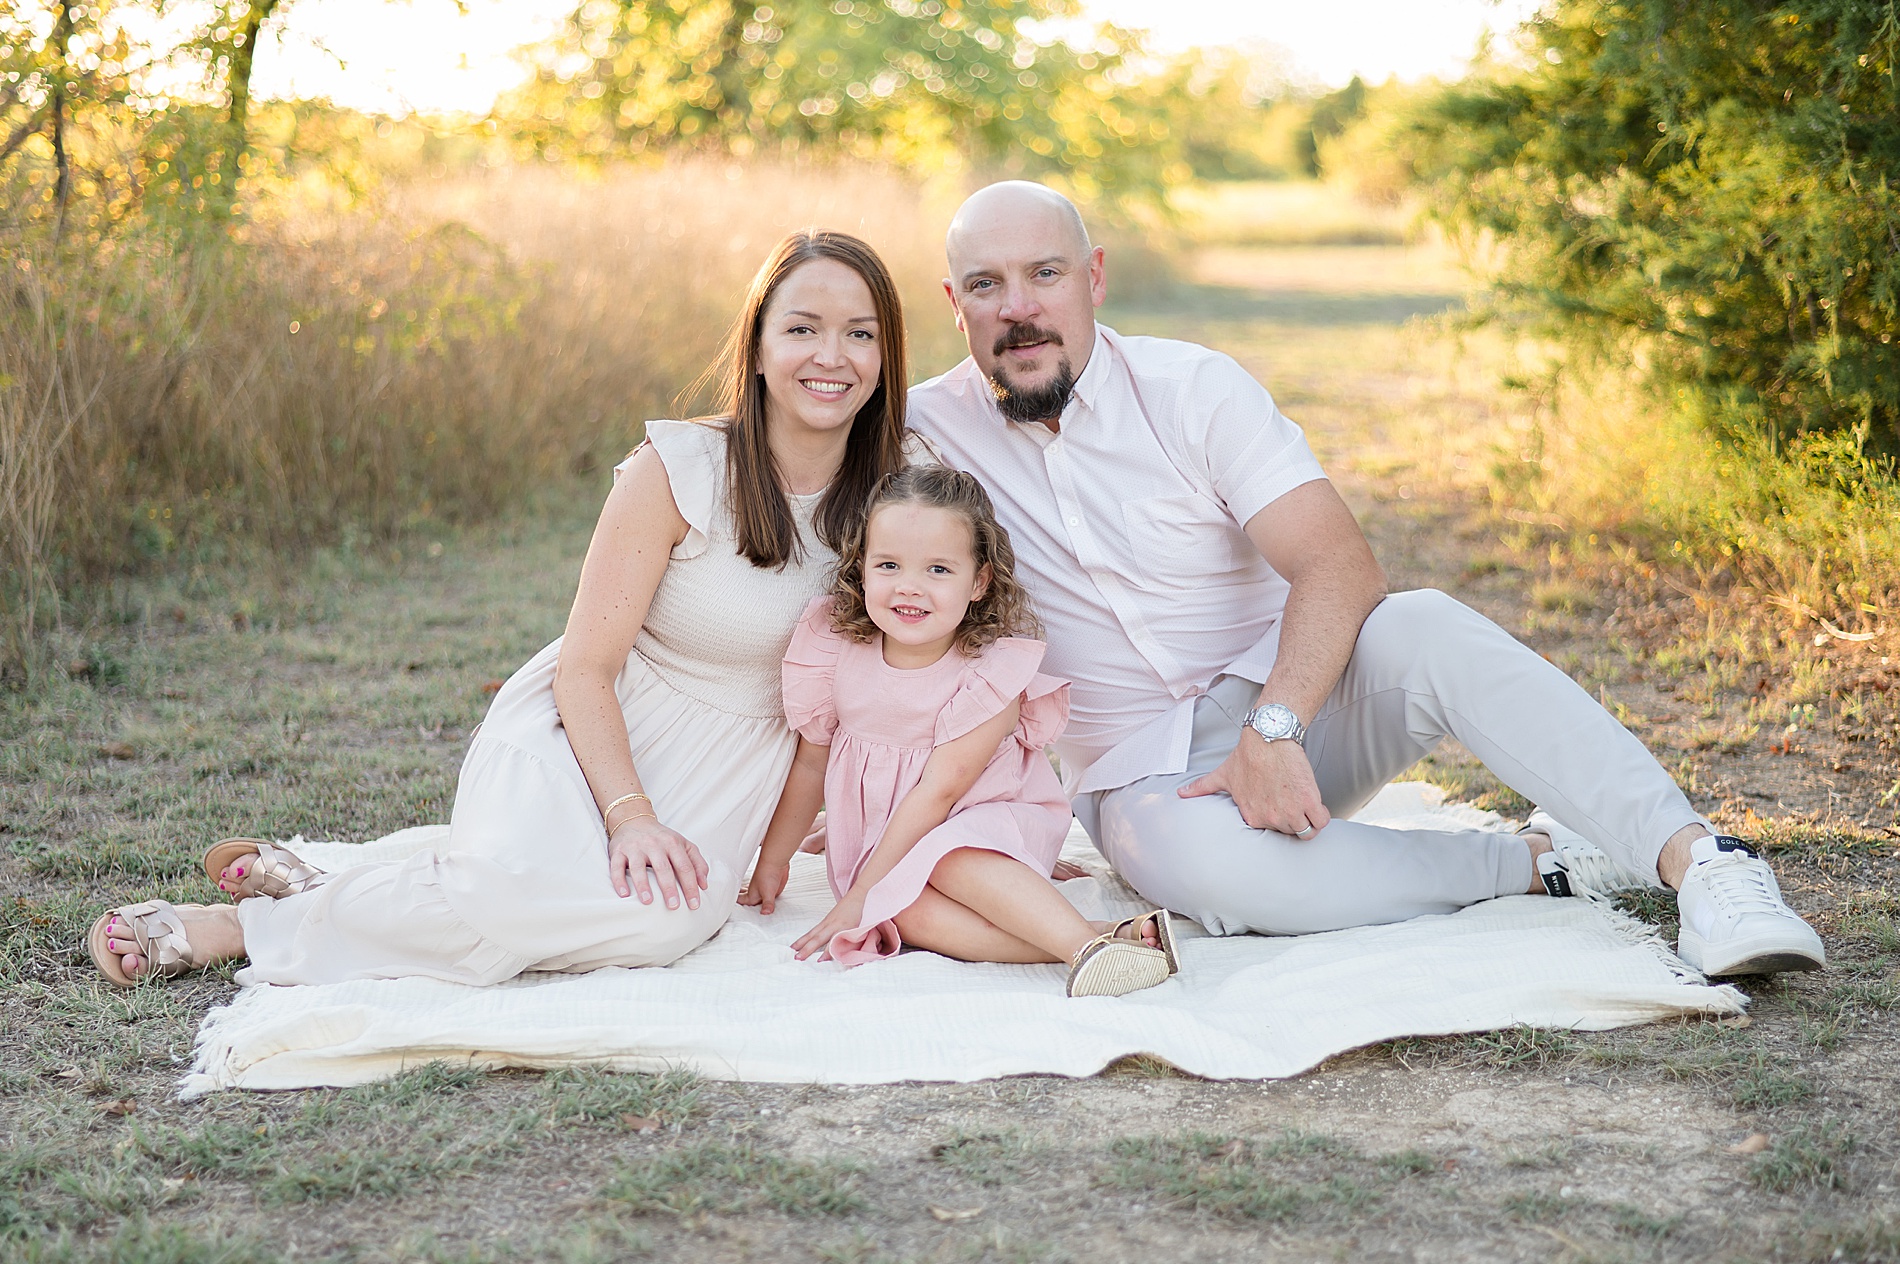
x=344 y=716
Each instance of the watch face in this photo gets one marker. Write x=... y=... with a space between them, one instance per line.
x=1275 y=721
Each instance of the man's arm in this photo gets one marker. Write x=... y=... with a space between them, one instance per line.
x=1310 y=537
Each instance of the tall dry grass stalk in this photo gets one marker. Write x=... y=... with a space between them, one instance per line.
x=42 y=398
x=366 y=370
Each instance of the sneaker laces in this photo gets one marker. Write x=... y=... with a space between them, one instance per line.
x=1739 y=884
x=1591 y=868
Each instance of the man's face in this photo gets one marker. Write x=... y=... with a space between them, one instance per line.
x=1025 y=290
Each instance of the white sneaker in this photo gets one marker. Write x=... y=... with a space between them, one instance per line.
x=1575 y=865
x=1734 y=920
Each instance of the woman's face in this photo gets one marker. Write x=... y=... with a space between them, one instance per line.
x=820 y=348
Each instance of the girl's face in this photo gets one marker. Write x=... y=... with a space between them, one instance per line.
x=819 y=349
x=920 y=575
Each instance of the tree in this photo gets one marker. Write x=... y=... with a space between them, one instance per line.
x=920 y=82
x=73 y=122
x=1704 y=188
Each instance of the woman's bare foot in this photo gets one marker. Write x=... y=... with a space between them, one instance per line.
x=213 y=929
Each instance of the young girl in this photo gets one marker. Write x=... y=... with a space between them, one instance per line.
x=921 y=721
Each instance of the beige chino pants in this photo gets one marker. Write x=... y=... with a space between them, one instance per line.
x=1426 y=667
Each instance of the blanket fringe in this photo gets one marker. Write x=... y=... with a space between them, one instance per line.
x=1639 y=934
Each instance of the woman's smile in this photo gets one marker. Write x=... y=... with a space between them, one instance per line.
x=824 y=388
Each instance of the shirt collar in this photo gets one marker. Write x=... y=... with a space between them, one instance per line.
x=1094 y=380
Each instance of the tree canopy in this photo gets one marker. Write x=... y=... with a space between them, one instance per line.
x=920 y=82
x=1703 y=188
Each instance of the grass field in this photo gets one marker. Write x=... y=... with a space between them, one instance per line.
x=337 y=700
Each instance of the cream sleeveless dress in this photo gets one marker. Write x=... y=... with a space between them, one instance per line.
x=521 y=883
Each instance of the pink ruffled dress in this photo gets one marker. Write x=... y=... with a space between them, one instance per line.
x=882 y=722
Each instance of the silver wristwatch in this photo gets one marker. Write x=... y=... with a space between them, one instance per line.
x=1276 y=722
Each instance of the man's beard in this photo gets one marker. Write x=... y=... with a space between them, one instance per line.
x=1032 y=403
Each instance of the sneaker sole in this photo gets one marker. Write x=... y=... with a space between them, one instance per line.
x=1750 y=957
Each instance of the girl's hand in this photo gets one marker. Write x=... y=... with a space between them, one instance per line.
x=1065 y=871
x=844 y=916
x=763 y=888
x=642 y=843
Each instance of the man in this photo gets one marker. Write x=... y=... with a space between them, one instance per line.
x=1242 y=682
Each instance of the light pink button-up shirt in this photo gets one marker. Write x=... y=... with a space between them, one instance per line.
x=1127 y=525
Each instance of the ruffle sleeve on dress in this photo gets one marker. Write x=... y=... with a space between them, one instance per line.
x=808 y=673
x=694 y=455
x=1005 y=671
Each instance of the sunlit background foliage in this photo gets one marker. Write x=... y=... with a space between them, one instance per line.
x=230 y=326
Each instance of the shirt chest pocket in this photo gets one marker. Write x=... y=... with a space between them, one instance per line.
x=1183 y=542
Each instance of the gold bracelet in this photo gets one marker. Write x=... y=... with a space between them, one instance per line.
x=625 y=798
x=635 y=817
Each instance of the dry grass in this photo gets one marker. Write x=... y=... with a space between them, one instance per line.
x=368 y=371
x=1285 y=213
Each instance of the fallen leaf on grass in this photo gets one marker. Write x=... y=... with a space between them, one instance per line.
x=1754 y=1143
x=124 y=1106
x=493 y=687
x=1740 y=1020
x=175 y=695
x=640 y=1123
x=1232 y=1150
x=951 y=1216
x=119 y=750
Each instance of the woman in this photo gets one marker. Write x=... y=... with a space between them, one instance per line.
x=621 y=782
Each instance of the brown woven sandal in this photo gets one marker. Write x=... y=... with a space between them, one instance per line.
x=276 y=872
x=158 y=930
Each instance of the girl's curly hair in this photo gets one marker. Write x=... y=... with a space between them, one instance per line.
x=1002 y=610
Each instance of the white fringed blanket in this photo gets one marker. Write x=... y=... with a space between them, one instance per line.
x=741 y=1008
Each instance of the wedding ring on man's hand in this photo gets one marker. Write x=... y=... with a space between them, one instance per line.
x=1303 y=833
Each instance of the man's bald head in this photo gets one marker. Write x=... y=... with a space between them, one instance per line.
x=1025 y=283
x=1018 y=206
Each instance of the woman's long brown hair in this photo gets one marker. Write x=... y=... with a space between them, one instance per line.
x=768 y=534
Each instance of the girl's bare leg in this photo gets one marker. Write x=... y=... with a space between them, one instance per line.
x=941 y=925
x=1015 y=900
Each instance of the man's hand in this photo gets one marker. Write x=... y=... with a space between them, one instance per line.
x=1272 y=785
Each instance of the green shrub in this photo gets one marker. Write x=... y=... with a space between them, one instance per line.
x=1705 y=191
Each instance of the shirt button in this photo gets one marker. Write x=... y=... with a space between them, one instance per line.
x=1075 y=522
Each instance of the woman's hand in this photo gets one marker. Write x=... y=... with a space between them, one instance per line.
x=763 y=888
x=642 y=843
x=844 y=916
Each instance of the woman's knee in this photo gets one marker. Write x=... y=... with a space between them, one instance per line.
x=680 y=930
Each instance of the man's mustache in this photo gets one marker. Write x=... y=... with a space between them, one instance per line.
x=1025 y=336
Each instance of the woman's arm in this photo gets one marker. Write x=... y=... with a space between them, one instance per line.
x=948 y=775
x=638 y=529
x=791 y=822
